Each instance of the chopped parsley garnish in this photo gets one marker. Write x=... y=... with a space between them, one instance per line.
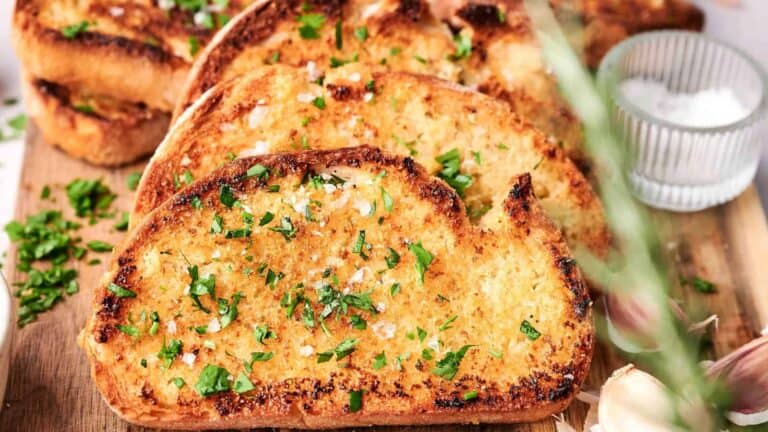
x=260 y=356
x=387 y=199
x=267 y=218
x=370 y=86
x=262 y=333
x=201 y=286
x=447 y=324
x=168 y=352
x=155 y=319
x=45 y=193
x=339 y=35
x=85 y=108
x=130 y=330
x=258 y=171
x=478 y=157
x=286 y=228
x=178 y=382
x=99 y=246
x=427 y=354
x=380 y=360
x=43 y=237
x=319 y=102
x=310 y=25
x=213 y=379
x=361 y=33
x=502 y=146
x=336 y=301
x=187 y=177
x=358 y=322
x=423 y=259
x=18 y=123
x=343 y=349
x=74 y=30
x=392 y=258
x=394 y=289
x=308 y=315
x=448 y=366
x=228 y=310
x=450 y=172
x=120 y=291
x=217 y=226
x=226 y=196
x=122 y=223
x=470 y=395
x=273 y=278
x=242 y=384
x=355 y=401
x=89 y=197
x=463 y=47
x=194 y=45
x=527 y=329
x=421 y=333
x=495 y=353
x=419 y=59
x=360 y=245
x=701 y=285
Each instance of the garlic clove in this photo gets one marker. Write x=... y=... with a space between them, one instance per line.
x=745 y=373
x=632 y=400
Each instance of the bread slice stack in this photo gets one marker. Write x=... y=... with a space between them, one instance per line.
x=124 y=64
x=340 y=230
x=100 y=78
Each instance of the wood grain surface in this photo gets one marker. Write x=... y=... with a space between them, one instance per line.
x=49 y=387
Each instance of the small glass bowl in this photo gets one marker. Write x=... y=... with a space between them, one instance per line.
x=676 y=167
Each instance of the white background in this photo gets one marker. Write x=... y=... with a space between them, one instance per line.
x=743 y=25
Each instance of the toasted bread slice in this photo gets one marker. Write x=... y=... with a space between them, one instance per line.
x=274 y=109
x=398 y=35
x=337 y=302
x=98 y=129
x=134 y=51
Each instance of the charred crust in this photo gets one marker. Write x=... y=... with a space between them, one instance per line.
x=104 y=332
x=411 y=9
x=518 y=203
x=110 y=306
x=342 y=92
x=147 y=394
x=570 y=273
x=481 y=15
x=451 y=403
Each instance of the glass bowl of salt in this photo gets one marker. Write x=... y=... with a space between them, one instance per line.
x=691 y=111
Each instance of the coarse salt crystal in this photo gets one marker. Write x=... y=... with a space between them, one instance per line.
x=170 y=327
x=188 y=359
x=354 y=77
x=306 y=350
x=363 y=206
x=116 y=11
x=384 y=329
x=305 y=97
x=368 y=96
x=214 y=326
x=257 y=115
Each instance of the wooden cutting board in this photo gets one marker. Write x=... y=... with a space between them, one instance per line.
x=50 y=388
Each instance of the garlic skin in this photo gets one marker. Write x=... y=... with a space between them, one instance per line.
x=745 y=373
x=630 y=320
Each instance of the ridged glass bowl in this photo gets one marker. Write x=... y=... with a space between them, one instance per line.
x=683 y=168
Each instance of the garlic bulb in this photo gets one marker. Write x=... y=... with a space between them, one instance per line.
x=745 y=373
x=632 y=318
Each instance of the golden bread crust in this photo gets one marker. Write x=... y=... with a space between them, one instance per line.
x=271 y=110
x=140 y=54
x=97 y=129
x=520 y=271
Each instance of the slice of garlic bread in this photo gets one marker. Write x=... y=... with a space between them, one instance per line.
x=99 y=129
x=338 y=288
x=472 y=140
x=136 y=51
x=497 y=55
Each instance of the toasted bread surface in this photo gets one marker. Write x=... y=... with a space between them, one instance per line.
x=98 y=129
x=276 y=109
x=511 y=294
x=132 y=51
x=400 y=35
